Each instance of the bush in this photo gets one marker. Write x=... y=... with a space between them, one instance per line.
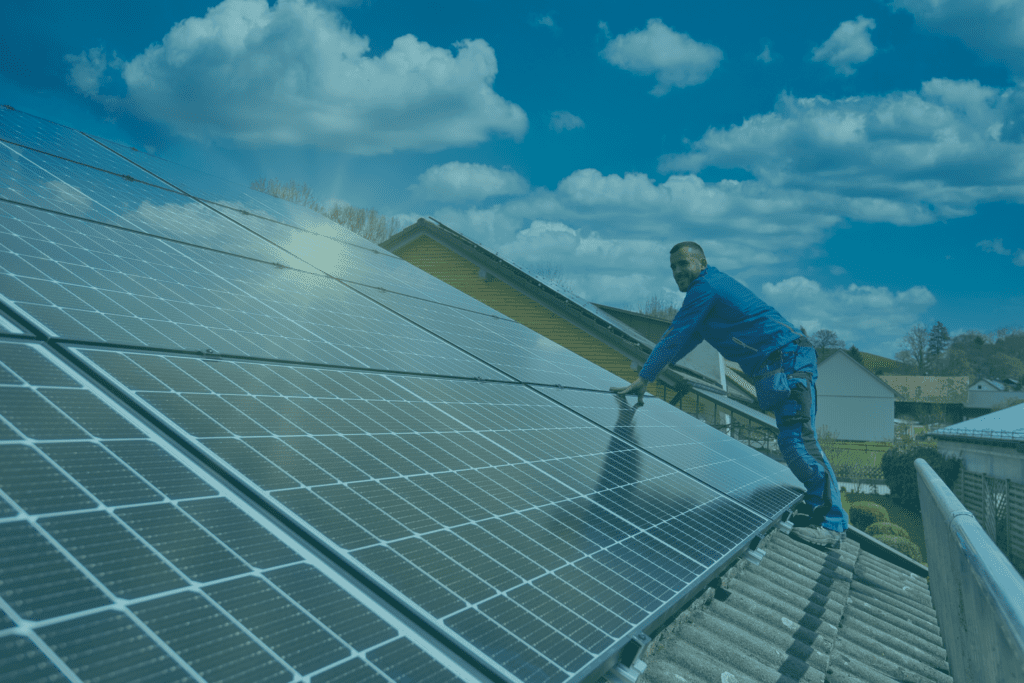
x=901 y=475
x=864 y=514
x=904 y=545
x=887 y=529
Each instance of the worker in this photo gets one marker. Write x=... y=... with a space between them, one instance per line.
x=782 y=362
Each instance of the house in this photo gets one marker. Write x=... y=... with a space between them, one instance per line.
x=853 y=403
x=929 y=399
x=700 y=384
x=987 y=395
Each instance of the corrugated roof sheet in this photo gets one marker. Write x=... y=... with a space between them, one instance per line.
x=805 y=615
x=1002 y=425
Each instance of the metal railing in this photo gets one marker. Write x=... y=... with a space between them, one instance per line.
x=978 y=595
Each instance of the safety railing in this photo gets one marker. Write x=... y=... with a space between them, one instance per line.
x=978 y=595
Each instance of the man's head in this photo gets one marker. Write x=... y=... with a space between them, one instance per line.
x=687 y=261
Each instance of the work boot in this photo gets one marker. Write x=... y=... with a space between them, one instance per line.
x=818 y=536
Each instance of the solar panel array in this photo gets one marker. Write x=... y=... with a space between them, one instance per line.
x=240 y=442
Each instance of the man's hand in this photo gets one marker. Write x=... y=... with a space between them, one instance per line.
x=637 y=388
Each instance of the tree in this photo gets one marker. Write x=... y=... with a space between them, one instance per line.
x=826 y=339
x=658 y=307
x=856 y=354
x=938 y=341
x=915 y=348
x=367 y=223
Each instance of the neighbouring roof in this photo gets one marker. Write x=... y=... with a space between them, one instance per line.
x=928 y=389
x=988 y=385
x=840 y=356
x=1002 y=426
x=805 y=615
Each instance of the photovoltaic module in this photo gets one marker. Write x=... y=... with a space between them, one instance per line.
x=240 y=442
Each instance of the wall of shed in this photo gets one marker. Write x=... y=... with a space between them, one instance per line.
x=999 y=462
x=853 y=418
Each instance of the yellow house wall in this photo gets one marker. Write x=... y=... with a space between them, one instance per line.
x=432 y=257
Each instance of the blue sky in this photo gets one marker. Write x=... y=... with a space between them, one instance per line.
x=859 y=165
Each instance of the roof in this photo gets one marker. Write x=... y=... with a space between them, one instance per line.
x=805 y=615
x=988 y=385
x=839 y=353
x=595 y=319
x=1001 y=426
x=928 y=389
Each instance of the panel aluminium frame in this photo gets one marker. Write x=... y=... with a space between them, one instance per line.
x=124 y=559
x=89 y=282
x=536 y=540
x=718 y=460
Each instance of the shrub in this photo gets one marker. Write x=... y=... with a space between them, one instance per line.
x=887 y=529
x=904 y=545
x=864 y=513
x=901 y=475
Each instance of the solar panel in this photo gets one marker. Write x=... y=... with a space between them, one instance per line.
x=89 y=282
x=711 y=456
x=9 y=326
x=123 y=560
x=508 y=345
x=323 y=446
x=477 y=504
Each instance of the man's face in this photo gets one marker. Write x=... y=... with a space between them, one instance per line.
x=686 y=266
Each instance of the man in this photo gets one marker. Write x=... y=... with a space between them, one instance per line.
x=748 y=331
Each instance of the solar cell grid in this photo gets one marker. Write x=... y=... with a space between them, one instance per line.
x=508 y=345
x=714 y=458
x=87 y=282
x=57 y=185
x=124 y=561
x=468 y=545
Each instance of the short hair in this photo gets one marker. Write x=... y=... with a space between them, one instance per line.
x=692 y=246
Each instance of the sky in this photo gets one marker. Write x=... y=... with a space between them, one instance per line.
x=859 y=165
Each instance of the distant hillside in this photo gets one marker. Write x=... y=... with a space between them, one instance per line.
x=880 y=365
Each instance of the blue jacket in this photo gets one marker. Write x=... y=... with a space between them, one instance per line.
x=730 y=317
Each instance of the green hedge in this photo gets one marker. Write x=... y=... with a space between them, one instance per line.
x=904 y=545
x=901 y=475
x=864 y=514
x=887 y=529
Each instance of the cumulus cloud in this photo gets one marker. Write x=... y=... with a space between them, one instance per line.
x=907 y=158
x=675 y=59
x=295 y=74
x=460 y=181
x=854 y=312
x=563 y=120
x=996 y=247
x=546 y=20
x=765 y=56
x=994 y=28
x=849 y=44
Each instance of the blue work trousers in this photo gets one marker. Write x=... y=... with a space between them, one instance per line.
x=798 y=441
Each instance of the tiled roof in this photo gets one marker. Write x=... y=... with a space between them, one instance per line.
x=805 y=615
x=928 y=389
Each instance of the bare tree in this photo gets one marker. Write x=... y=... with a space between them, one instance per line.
x=367 y=223
x=826 y=339
x=915 y=348
x=657 y=306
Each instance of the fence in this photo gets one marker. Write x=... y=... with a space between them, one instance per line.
x=998 y=505
x=978 y=596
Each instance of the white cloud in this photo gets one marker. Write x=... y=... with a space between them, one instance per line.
x=546 y=21
x=88 y=70
x=994 y=246
x=849 y=44
x=855 y=312
x=675 y=59
x=1018 y=258
x=909 y=158
x=460 y=181
x=294 y=74
x=994 y=28
x=563 y=120
x=765 y=56
x=837 y=270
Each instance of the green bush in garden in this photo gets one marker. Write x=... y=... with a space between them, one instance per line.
x=887 y=529
x=901 y=475
x=864 y=514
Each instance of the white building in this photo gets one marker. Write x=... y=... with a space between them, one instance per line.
x=992 y=444
x=853 y=404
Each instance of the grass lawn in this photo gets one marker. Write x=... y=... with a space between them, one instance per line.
x=908 y=519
